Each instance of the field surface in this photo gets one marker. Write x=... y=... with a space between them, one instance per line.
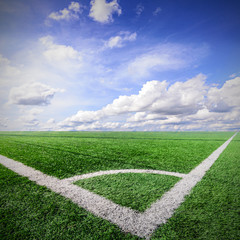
x=29 y=211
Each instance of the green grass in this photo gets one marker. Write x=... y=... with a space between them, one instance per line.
x=135 y=190
x=67 y=154
x=212 y=209
x=30 y=211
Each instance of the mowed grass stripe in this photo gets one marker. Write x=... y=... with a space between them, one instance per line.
x=64 y=156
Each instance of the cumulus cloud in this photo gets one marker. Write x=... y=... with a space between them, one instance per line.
x=143 y=116
x=225 y=98
x=50 y=125
x=69 y=13
x=163 y=106
x=159 y=97
x=63 y=57
x=29 y=121
x=82 y=117
x=102 y=11
x=155 y=97
x=165 y=57
x=32 y=94
x=119 y=40
x=29 y=117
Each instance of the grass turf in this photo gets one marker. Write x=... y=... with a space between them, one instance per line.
x=135 y=190
x=29 y=211
x=67 y=154
x=212 y=209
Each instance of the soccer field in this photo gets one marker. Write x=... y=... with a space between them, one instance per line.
x=30 y=211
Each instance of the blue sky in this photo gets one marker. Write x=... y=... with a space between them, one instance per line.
x=119 y=65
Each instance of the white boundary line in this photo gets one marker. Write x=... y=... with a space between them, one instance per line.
x=140 y=224
x=100 y=173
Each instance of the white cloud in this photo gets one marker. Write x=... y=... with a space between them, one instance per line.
x=225 y=98
x=82 y=117
x=50 y=125
x=119 y=40
x=99 y=126
x=51 y=121
x=69 y=13
x=161 y=106
x=143 y=116
x=74 y=6
x=165 y=57
x=157 y=11
x=32 y=94
x=6 y=69
x=139 y=9
x=3 y=122
x=102 y=11
x=29 y=117
x=62 y=57
x=148 y=62
x=214 y=121
x=155 y=98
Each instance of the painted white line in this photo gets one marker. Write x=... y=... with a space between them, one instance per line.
x=100 y=173
x=140 y=224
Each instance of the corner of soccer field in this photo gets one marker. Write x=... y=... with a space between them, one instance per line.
x=31 y=211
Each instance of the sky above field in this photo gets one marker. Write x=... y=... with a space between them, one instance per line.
x=120 y=65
